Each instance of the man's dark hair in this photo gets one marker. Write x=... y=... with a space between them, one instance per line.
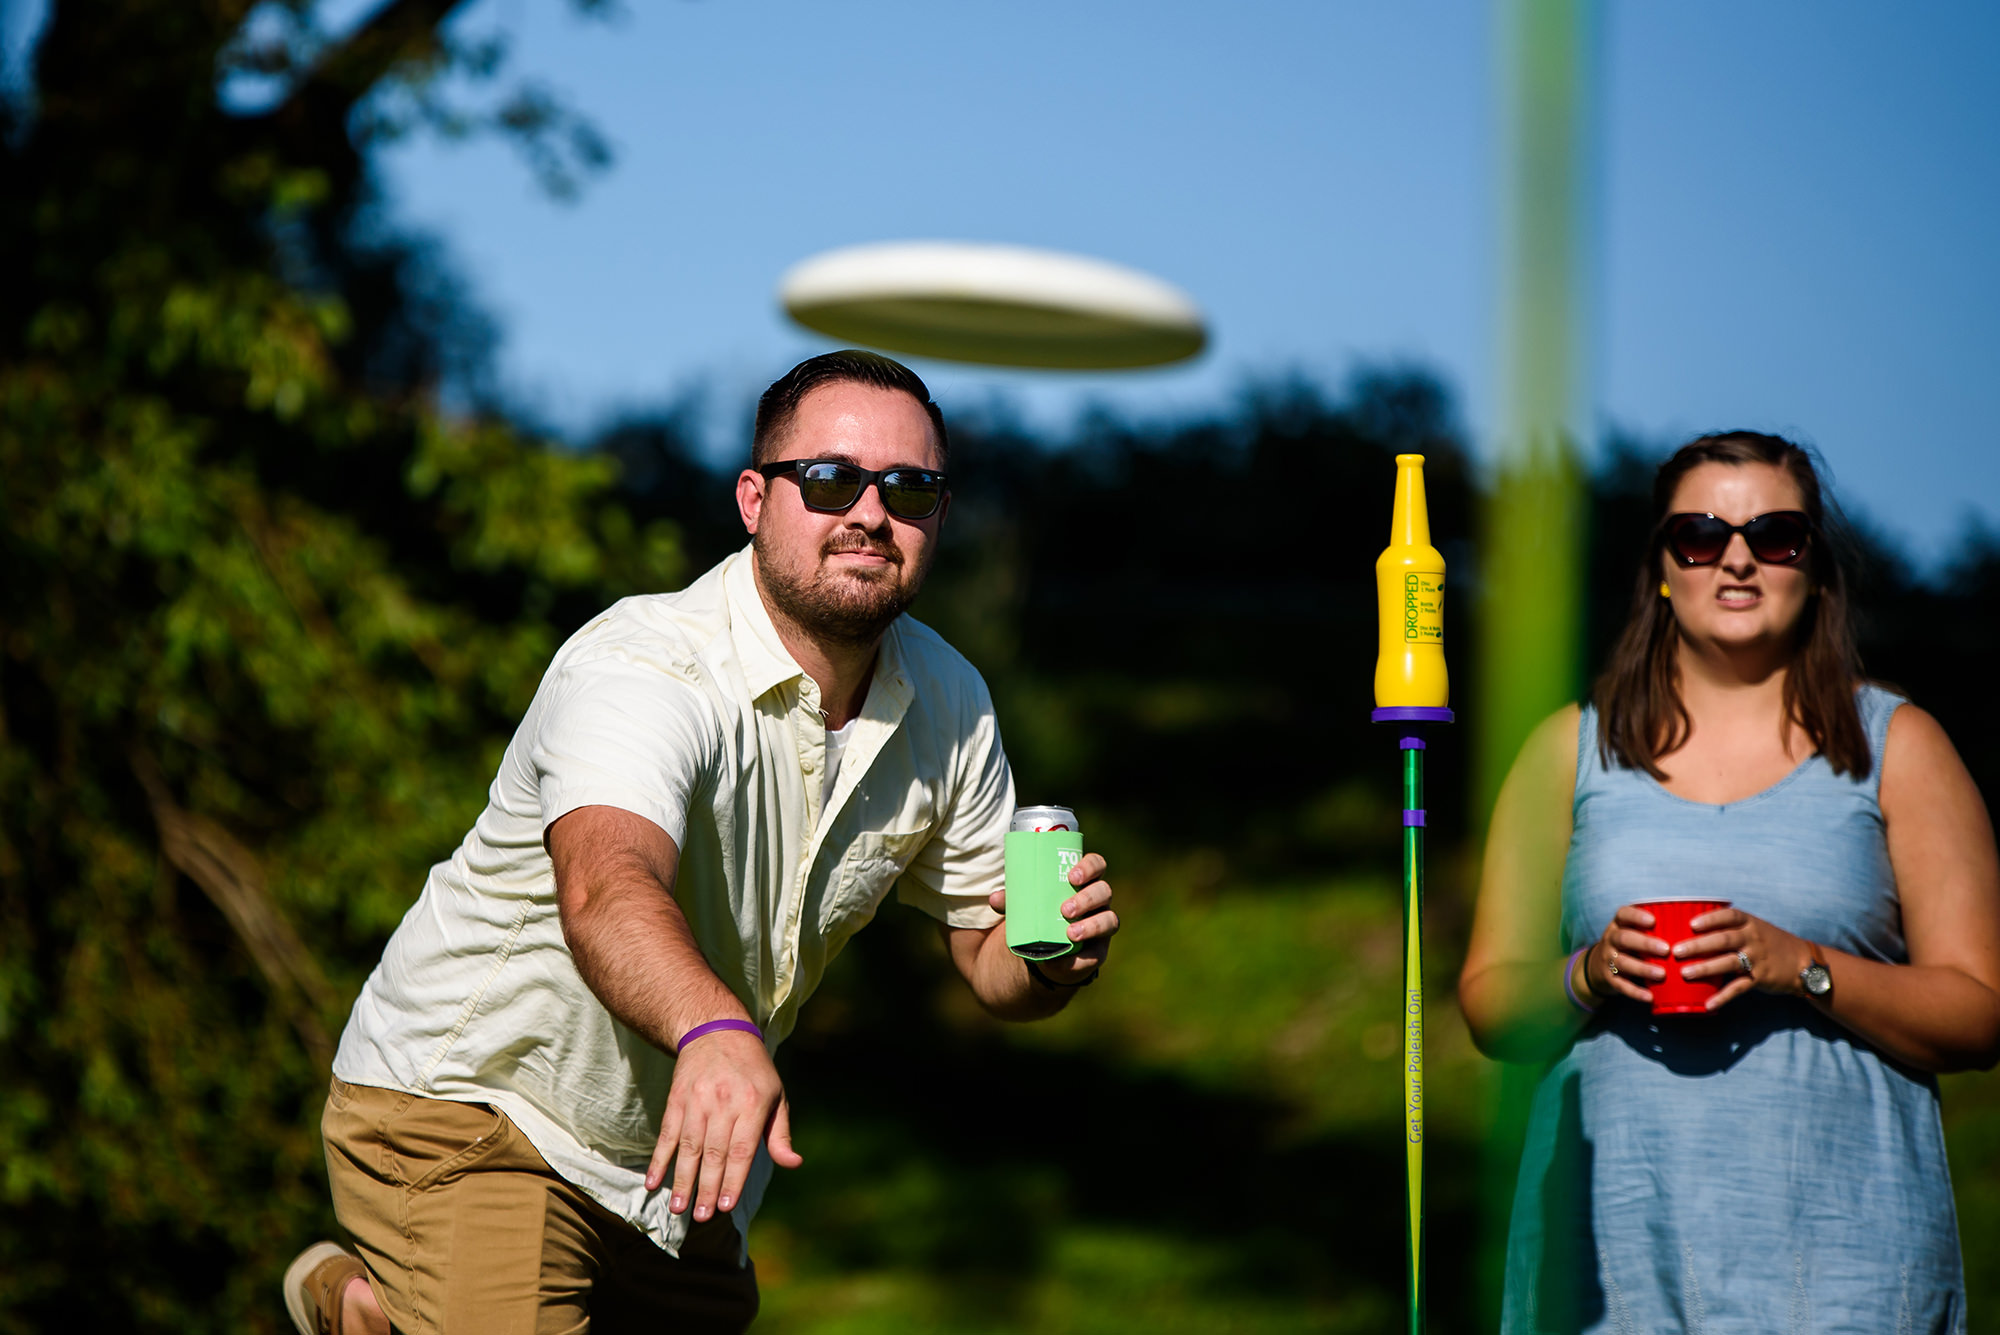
x=780 y=403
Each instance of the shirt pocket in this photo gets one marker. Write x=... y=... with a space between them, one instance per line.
x=870 y=868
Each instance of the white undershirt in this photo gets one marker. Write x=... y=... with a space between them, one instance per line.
x=836 y=742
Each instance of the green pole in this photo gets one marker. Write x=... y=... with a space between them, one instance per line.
x=1413 y=720
x=1413 y=1022
x=1530 y=651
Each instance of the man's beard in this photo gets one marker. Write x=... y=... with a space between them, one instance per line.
x=852 y=606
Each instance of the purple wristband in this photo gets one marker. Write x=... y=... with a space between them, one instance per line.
x=714 y=1025
x=1574 y=1000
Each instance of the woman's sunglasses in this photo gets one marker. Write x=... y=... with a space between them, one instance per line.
x=832 y=487
x=1778 y=538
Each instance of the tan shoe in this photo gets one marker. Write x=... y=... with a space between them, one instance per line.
x=314 y=1283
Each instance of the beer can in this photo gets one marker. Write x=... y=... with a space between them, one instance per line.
x=1043 y=844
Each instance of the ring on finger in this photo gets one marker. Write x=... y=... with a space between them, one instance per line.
x=1743 y=962
x=1613 y=965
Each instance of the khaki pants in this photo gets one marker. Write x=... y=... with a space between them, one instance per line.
x=466 y=1230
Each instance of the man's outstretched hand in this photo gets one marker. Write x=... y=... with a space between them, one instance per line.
x=632 y=945
x=726 y=1096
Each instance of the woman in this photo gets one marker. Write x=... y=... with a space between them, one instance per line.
x=1776 y=1164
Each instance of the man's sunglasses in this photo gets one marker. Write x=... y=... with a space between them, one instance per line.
x=1778 y=538
x=832 y=487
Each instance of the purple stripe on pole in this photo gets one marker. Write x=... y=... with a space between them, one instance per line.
x=1413 y=744
x=1411 y=714
x=1413 y=817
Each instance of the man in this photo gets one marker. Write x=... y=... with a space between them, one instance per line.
x=711 y=792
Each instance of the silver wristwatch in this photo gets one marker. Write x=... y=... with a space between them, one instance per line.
x=1814 y=978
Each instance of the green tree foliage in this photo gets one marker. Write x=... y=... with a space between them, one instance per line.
x=267 y=615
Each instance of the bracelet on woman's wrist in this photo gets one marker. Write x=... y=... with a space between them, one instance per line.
x=1569 y=988
x=1591 y=987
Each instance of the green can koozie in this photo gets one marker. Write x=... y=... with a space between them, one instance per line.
x=1038 y=865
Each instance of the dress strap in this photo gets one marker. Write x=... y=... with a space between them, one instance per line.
x=1586 y=745
x=1877 y=707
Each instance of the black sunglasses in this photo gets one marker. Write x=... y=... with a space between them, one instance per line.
x=831 y=486
x=1778 y=538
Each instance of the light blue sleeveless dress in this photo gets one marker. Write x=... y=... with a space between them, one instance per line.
x=1760 y=1170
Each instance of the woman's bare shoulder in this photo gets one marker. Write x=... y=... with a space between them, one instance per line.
x=1563 y=724
x=1918 y=754
x=1546 y=763
x=1915 y=726
x=1554 y=738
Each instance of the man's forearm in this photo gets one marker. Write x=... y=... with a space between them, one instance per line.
x=635 y=950
x=631 y=942
x=999 y=978
x=615 y=875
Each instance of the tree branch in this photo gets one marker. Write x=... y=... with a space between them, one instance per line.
x=231 y=877
x=400 y=30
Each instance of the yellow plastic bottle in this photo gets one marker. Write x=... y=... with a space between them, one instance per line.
x=1409 y=601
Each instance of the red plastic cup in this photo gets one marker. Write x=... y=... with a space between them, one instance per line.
x=1675 y=995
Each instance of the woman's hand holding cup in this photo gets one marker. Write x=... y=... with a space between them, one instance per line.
x=1730 y=937
x=1618 y=964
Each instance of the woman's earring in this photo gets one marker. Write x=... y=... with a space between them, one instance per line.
x=1664 y=591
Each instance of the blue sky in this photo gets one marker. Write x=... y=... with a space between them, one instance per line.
x=1798 y=204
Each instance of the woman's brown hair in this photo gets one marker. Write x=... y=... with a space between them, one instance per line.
x=1638 y=698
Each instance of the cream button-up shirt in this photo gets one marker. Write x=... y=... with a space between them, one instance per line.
x=686 y=709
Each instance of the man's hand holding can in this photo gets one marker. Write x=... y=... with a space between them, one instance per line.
x=1061 y=921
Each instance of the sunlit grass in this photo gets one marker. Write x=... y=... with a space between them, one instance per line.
x=1290 y=990
x=1095 y=1282
x=1972 y=1142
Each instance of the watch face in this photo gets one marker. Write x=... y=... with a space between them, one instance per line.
x=1816 y=979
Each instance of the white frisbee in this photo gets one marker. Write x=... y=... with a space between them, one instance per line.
x=997 y=305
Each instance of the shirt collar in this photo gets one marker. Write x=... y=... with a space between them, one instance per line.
x=762 y=654
x=891 y=683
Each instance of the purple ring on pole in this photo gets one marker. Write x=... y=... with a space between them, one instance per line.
x=1411 y=714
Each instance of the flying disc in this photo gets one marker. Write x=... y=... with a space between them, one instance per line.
x=997 y=305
